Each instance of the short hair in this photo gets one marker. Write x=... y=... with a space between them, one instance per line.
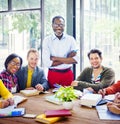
x=57 y=17
x=32 y=50
x=95 y=51
x=10 y=58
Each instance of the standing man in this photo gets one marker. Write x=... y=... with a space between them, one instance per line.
x=31 y=76
x=59 y=53
x=96 y=76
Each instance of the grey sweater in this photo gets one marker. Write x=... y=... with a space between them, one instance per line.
x=107 y=79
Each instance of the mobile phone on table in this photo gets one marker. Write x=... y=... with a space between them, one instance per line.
x=29 y=115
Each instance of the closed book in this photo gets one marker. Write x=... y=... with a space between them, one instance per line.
x=53 y=99
x=58 y=113
x=90 y=100
x=30 y=92
x=42 y=118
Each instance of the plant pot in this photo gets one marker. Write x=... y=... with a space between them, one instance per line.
x=68 y=105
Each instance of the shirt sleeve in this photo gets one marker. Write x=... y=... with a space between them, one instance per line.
x=113 y=88
x=46 y=54
x=5 y=94
x=74 y=47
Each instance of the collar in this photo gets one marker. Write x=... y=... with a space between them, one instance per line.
x=54 y=36
x=8 y=73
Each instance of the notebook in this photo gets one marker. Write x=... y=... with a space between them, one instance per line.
x=90 y=100
x=9 y=112
x=53 y=99
x=58 y=113
x=30 y=92
x=42 y=118
x=18 y=99
x=105 y=114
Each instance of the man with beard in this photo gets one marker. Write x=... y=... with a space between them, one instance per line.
x=95 y=77
x=59 y=53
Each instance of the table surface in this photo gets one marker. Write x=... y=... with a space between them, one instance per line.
x=38 y=104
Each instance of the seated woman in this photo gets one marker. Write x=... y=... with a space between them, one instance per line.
x=111 y=89
x=12 y=64
x=6 y=96
x=114 y=106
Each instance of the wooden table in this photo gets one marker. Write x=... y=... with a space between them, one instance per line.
x=38 y=104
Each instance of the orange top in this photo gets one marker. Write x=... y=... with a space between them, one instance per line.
x=113 y=88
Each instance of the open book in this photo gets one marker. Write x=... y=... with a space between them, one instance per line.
x=30 y=92
x=53 y=99
x=18 y=99
x=90 y=100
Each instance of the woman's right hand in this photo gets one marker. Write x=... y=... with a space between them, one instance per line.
x=5 y=103
x=113 y=107
x=102 y=92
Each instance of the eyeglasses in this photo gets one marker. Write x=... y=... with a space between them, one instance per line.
x=58 y=25
x=15 y=64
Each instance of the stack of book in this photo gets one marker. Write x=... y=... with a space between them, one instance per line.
x=52 y=116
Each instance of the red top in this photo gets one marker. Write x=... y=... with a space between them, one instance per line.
x=113 y=88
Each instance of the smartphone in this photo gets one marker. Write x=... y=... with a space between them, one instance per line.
x=29 y=115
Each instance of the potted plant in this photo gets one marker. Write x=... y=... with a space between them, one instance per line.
x=66 y=95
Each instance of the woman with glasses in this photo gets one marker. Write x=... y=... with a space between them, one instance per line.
x=12 y=64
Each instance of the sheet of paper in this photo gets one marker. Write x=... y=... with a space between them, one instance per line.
x=105 y=114
x=110 y=97
x=7 y=110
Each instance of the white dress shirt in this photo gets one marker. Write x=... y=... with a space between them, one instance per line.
x=52 y=46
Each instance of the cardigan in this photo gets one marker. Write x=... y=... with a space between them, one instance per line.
x=4 y=93
x=38 y=77
x=84 y=80
x=113 y=88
